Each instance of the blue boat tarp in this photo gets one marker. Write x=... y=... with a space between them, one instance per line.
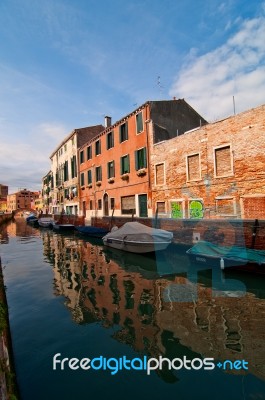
x=91 y=230
x=208 y=249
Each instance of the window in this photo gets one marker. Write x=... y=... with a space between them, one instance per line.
x=128 y=205
x=111 y=169
x=225 y=206
x=98 y=174
x=161 y=207
x=223 y=161
x=89 y=153
x=139 y=122
x=81 y=156
x=65 y=171
x=65 y=147
x=97 y=147
x=99 y=204
x=112 y=203
x=91 y=204
x=123 y=132
x=110 y=140
x=140 y=159
x=73 y=167
x=82 y=179
x=196 y=209
x=193 y=167
x=125 y=164
x=177 y=209
x=160 y=174
x=89 y=177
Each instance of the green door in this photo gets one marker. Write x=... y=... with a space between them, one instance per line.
x=142 y=205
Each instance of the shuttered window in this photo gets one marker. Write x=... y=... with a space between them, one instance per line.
x=65 y=171
x=140 y=159
x=82 y=179
x=123 y=129
x=139 y=122
x=223 y=164
x=111 y=169
x=89 y=176
x=98 y=174
x=125 y=164
x=110 y=140
x=73 y=167
x=89 y=153
x=97 y=148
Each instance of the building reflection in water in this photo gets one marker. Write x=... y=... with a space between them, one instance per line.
x=125 y=291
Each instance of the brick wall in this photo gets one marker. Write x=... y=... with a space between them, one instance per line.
x=231 y=160
x=223 y=232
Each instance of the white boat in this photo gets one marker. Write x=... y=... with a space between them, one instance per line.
x=138 y=238
x=46 y=222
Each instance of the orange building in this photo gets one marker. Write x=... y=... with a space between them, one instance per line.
x=114 y=166
x=22 y=200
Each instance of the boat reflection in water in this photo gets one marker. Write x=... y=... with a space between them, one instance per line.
x=160 y=305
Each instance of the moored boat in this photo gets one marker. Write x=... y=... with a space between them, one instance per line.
x=138 y=238
x=63 y=227
x=46 y=222
x=211 y=254
x=92 y=231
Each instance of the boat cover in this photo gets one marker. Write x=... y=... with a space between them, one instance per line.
x=134 y=231
x=234 y=252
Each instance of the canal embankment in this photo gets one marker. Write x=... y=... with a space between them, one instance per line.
x=8 y=384
x=228 y=232
x=5 y=218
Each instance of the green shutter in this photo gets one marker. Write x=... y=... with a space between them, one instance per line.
x=139 y=122
x=136 y=160
x=108 y=170
x=144 y=158
x=126 y=130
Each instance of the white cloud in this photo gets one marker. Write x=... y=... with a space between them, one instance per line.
x=237 y=68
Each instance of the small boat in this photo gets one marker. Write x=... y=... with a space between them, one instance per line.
x=63 y=227
x=30 y=217
x=46 y=222
x=211 y=254
x=92 y=231
x=138 y=238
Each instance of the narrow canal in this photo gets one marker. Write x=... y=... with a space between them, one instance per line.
x=72 y=298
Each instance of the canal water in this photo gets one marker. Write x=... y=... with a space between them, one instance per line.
x=72 y=298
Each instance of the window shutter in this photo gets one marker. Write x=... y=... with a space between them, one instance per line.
x=128 y=163
x=136 y=160
x=126 y=130
x=144 y=158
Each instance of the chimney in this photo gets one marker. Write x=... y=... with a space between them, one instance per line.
x=107 y=121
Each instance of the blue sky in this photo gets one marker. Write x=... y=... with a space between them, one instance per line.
x=65 y=64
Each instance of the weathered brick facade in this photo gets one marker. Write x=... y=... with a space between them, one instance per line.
x=114 y=166
x=216 y=171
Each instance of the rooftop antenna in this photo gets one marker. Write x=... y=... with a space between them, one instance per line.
x=234 y=105
x=159 y=85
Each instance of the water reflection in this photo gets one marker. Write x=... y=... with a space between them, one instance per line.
x=127 y=291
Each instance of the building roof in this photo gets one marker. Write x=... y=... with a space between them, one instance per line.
x=83 y=135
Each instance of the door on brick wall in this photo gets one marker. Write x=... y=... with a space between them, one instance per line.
x=142 y=205
x=106 y=204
